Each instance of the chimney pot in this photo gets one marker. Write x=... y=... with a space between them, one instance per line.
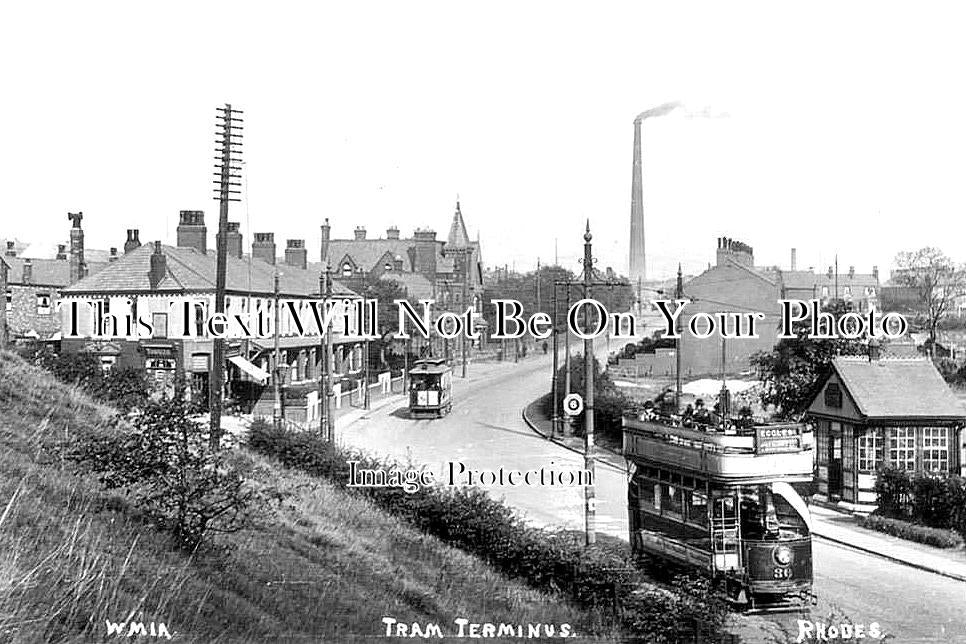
x=794 y=253
x=133 y=240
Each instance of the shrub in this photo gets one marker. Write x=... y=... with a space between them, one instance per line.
x=166 y=463
x=469 y=519
x=893 y=488
x=937 y=537
x=125 y=389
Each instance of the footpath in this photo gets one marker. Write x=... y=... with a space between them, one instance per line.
x=828 y=523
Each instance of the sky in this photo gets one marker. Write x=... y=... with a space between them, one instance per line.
x=838 y=128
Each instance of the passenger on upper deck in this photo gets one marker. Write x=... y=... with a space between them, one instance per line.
x=701 y=414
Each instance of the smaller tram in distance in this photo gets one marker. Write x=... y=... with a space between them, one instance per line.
x=430 y=388
x=722 y=501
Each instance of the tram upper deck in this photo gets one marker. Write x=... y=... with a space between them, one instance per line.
x=756 y=454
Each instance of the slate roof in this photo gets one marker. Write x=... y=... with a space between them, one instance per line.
x=47 y=272
x=190 y=270
x=809 y=280
x=457 y=231
x=367 y=253
x=897 y=388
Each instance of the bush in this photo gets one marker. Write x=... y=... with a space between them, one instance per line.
x=934 y=500
x=471 y=520
x=125 y=389
x=166 y=464
x=937 y=537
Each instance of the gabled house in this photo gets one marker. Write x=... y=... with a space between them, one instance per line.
x=871 y=413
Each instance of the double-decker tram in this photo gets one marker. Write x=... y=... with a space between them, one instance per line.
x=720 y=499
x=430 y=388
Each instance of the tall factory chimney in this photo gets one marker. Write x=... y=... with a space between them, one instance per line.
x=637 y=265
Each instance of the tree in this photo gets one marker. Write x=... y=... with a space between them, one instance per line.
x=790 y=372
x=165 y=462
x=937 y=280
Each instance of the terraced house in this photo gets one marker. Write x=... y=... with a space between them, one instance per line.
x=153 y=281
x=34 y=283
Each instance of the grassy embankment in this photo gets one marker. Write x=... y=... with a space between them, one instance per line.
x=325 y=564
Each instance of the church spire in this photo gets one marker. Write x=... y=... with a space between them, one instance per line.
x=458 y=237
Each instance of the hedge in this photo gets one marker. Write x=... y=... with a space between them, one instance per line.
x=933 y=500
x=603 y=577
x=937 y=537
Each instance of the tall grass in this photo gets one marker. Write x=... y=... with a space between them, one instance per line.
x=326 y=566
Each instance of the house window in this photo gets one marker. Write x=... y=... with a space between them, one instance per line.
x=645 y=490
x=9 y=299
x=870 y=450
x=902 y=448
x=821 y=441
x=347 y=270
x=160 y=323
x=833 y=395
x=43 y=303
x=848 y=291
x=935 y=449
x=108 y=363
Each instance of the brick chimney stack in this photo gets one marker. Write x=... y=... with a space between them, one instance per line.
x=159 y=266
x=234 y=239
x=794 y=252
x=132 y=240
x=11 y=251
x=426 y=252
x=326 y=232
x=61 y=251
x=113 y=257
x=78 y=267
x=28 y=270
x=392 y=233
x=192 y=232
x=296 y=253
x=360 y=232
x=263 y=247
x=736 y=251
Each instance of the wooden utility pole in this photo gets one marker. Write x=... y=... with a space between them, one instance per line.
x=328 y=428
x=678 y=294
x=228 y=163
x=590 y=501
x=278 y=373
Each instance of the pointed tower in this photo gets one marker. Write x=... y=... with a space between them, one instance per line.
x=637 y=269
x=458 y=237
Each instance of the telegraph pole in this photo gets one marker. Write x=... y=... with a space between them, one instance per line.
x=590 y=510
x=678 y=294
x=279 y=412
x=228 y=162
x=554 y=390
x=326 y=422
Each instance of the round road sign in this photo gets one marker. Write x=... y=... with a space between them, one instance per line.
x=573 y=404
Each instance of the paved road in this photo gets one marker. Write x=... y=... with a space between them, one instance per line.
x=486 y=431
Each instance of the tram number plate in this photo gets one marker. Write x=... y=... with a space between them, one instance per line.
x=783 y=573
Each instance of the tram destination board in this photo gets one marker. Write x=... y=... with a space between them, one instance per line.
x=778 y=439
